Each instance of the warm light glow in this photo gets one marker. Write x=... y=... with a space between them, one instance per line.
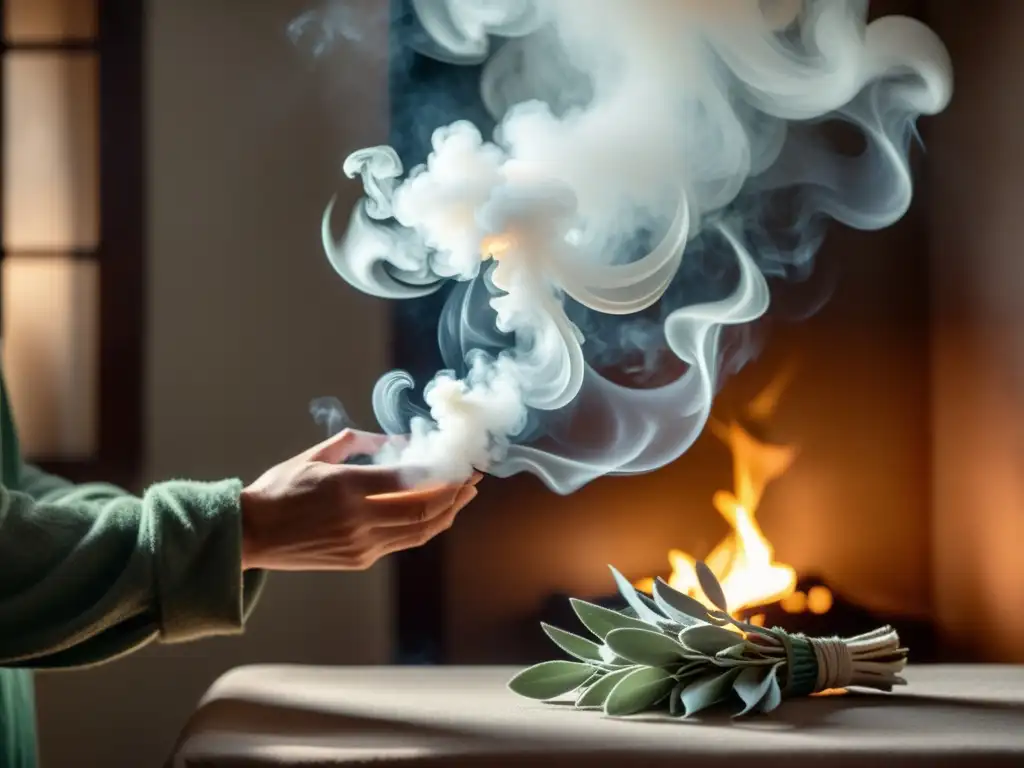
x=51 y=352
x=832 y=692
x=762 y=407
x=794 y=603
x=51 y=272
x=50 y=152
x=27 y=21
x=819 y=600
x=496 y=246
x=744 y=561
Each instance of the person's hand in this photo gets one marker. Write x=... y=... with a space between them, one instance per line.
x=313 y=513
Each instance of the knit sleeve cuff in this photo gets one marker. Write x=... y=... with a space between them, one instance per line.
x=201 y=589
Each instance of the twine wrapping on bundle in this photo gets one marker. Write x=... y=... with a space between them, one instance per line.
x=668 y=651
x=816 y=664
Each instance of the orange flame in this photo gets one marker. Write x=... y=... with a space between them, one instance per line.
x=744 y=561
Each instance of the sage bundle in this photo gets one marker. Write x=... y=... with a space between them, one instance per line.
x=668 y=652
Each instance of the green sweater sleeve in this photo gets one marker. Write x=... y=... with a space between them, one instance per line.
x=90 y=572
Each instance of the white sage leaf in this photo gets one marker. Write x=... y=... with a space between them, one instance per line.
x=574 y=645
x=773 y=696
x=644 y=646
x=707 y=691
x=600 y=621
x=724 y=619
x=643 y=611
x=550 y=679
x=610 y=658
x=675 y=701
x=752 y=686
x=637 y=691
x=707 y=639
x=684 y=608
x=737 y=651
x=594 y=696
x=712 y=589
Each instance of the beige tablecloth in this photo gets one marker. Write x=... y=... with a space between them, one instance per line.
x=464 y=716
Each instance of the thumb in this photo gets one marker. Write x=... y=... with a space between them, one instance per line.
x=345 y=444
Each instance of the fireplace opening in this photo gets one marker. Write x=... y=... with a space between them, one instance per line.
x=807 y=495
x=758 y=588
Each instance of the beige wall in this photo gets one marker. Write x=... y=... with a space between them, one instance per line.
x=977 y=229
x=246 y=324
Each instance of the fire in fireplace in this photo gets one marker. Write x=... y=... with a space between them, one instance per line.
x=759 y=589
x=744 y=561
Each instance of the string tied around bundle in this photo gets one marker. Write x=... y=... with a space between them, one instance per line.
x=816 y=664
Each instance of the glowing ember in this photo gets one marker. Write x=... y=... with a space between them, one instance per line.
x=744 y=561
x=495 y=246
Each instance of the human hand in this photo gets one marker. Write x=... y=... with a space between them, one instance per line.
x=313 y=513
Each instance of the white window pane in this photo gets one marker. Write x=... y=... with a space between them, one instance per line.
x=51 y=151
x=35 y=20
x=51 y=353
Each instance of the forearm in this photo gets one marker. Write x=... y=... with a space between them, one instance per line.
x=88 y=573
x=50 y=489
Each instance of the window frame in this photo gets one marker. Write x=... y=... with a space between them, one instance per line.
x=121 y=252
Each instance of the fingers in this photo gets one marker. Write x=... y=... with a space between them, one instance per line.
x=398 y=538
x=347 y=443
x=404 y=505
x=412 y=507
x=388 y=481
x=387 y=523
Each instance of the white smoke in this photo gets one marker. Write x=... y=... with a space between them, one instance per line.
x=617 y=117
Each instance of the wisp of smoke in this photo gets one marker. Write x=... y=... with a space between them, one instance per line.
x=330 y=414
x=667 y=123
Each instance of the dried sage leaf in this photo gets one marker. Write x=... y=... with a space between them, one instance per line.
x=634 y=599
x=679 y=606
x=709 y=583
x=610 y=658
x=637 y=691
x=550 y=679
x=644 y=646
x=574 y=645
x=708 y=639
x=707 y=691
x=594 y=696
x=737 y=651
x=675 y=701
x=752 y=685
x=600 y=621
x=773 y=696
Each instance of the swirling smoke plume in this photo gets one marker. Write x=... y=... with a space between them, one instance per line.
x=631 y=136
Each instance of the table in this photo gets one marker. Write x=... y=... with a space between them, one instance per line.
x=464 y=716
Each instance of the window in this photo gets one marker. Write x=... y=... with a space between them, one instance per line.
x=72 y=232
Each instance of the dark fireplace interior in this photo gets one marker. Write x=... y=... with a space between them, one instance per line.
x=868 y=392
